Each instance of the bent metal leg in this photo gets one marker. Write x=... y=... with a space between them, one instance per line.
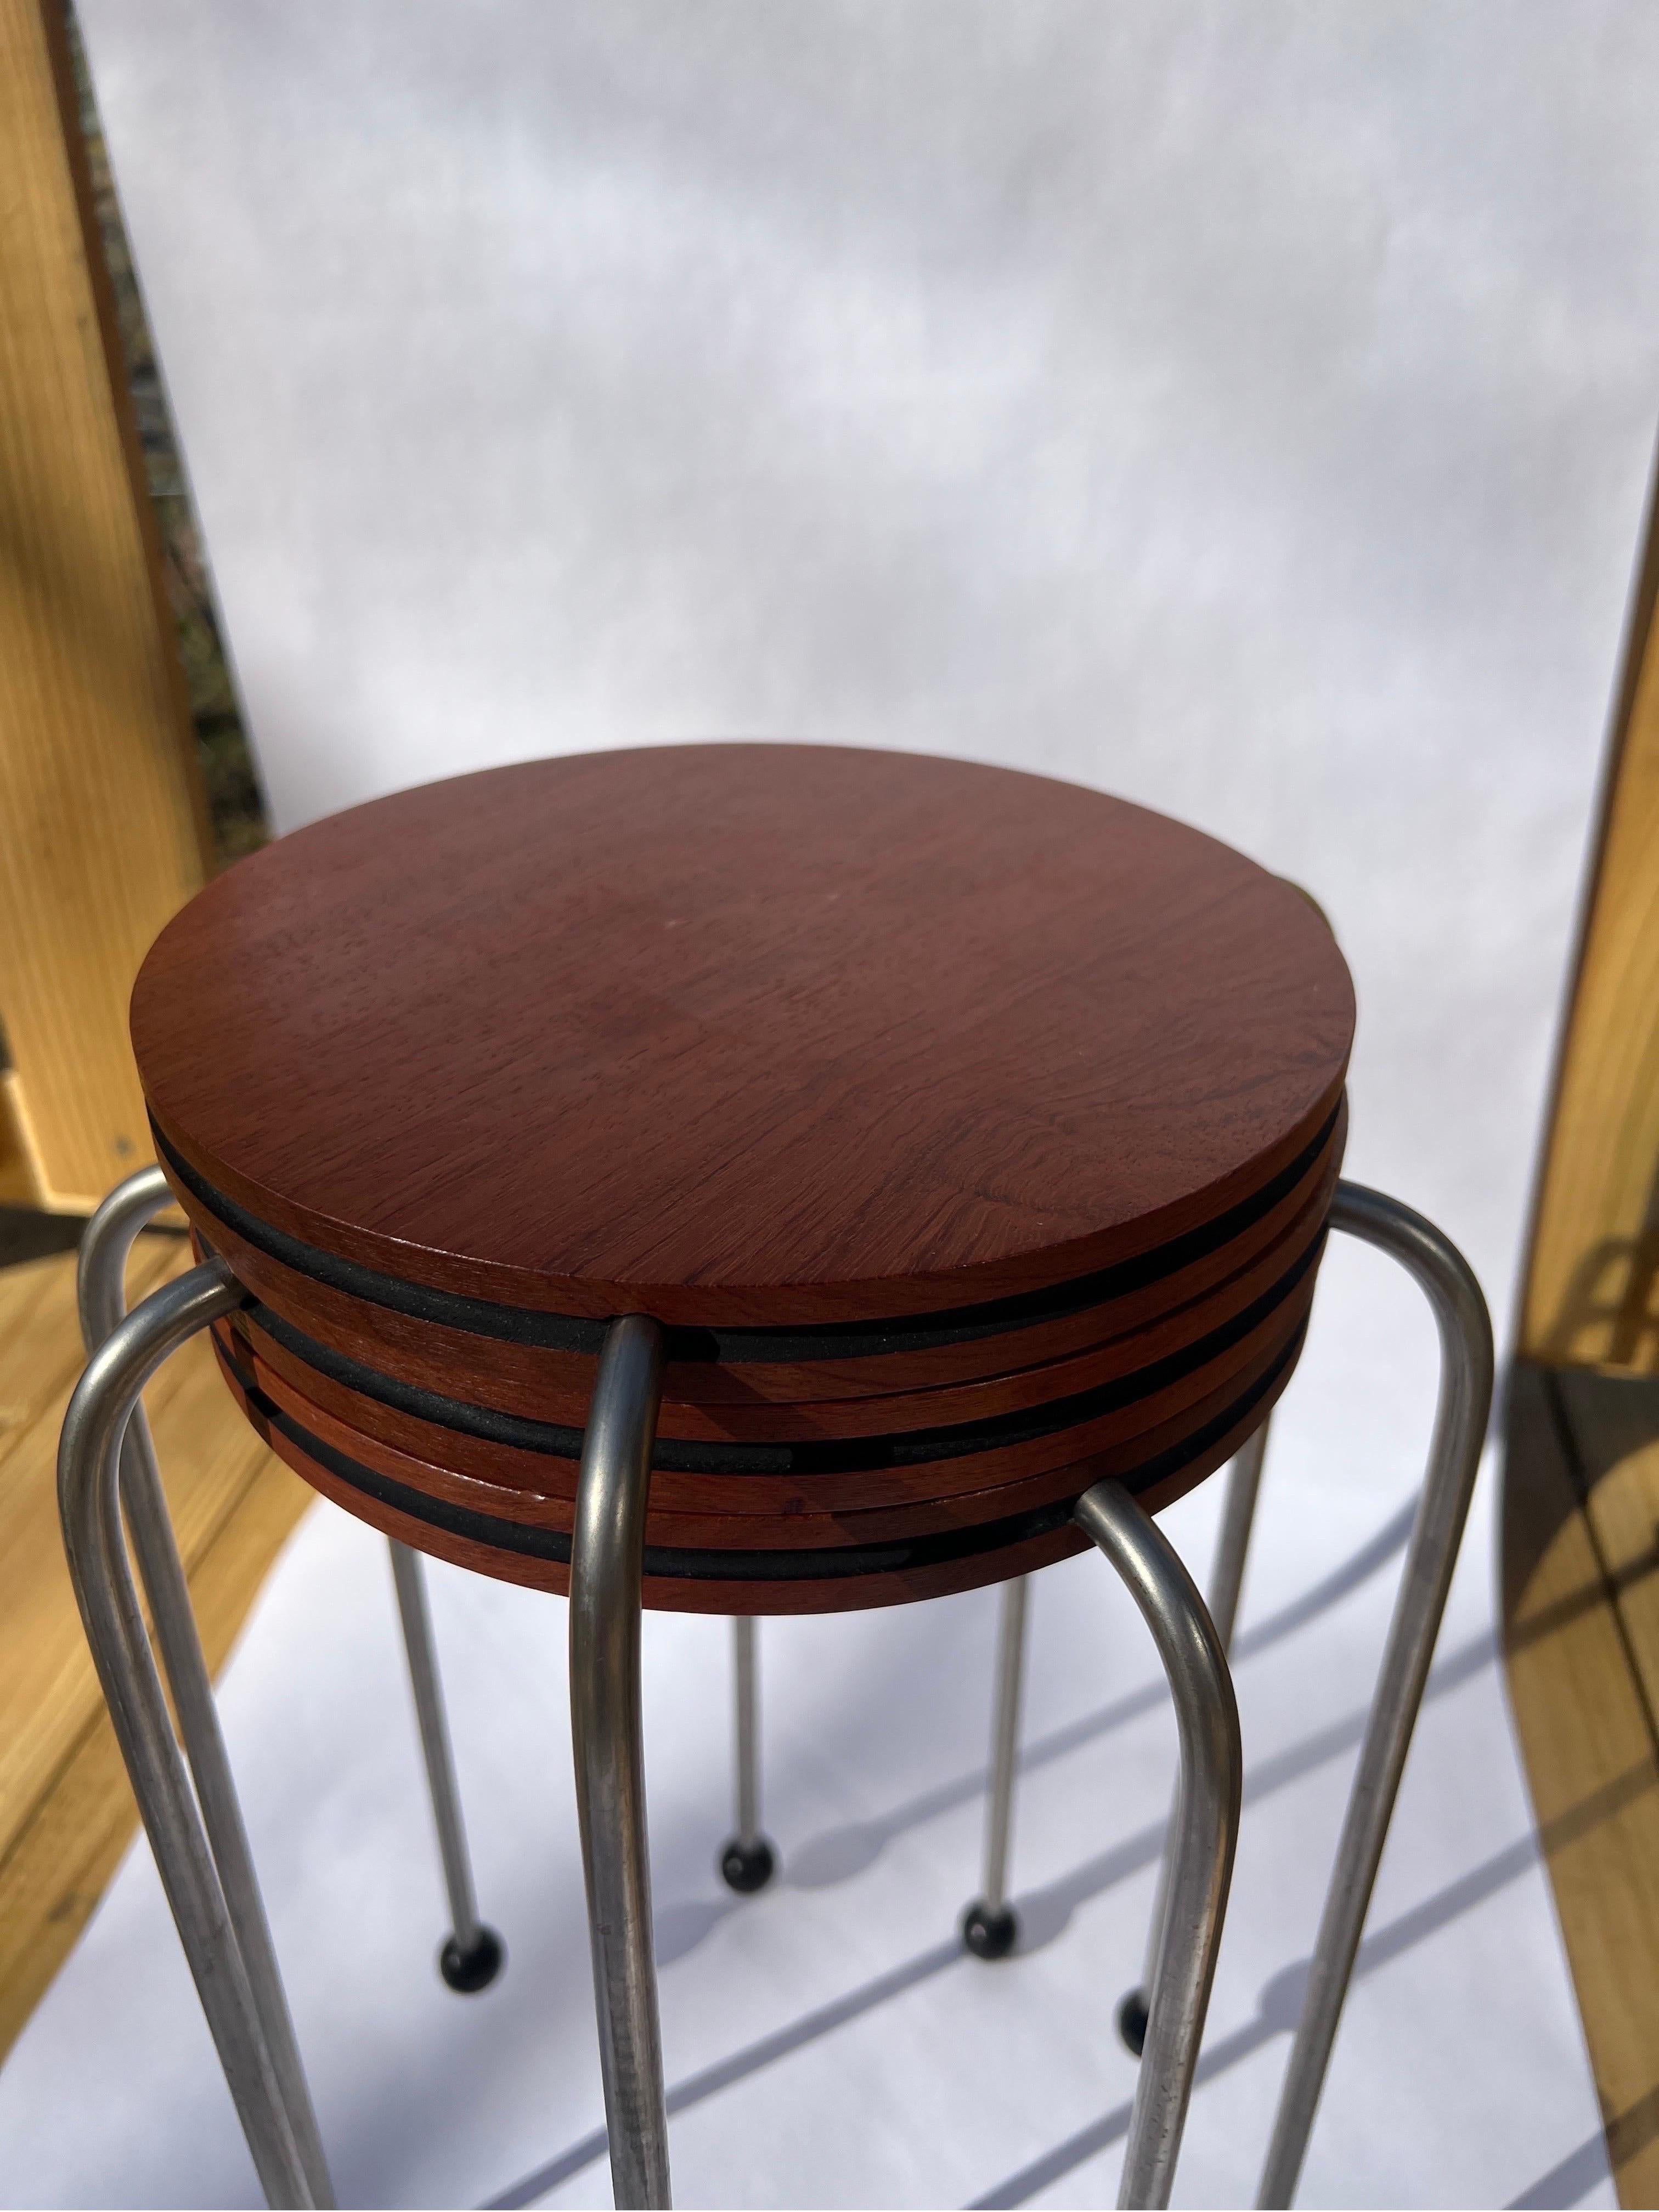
x=101 y=1287
x=1462 y=1409
x=990 y=1927
x=606 y=1560
x=1460 y=1429
x=748 y=1861
x=1226 y=1584
x=473 y=1956
x=1207 y=1828
x=89 y=1492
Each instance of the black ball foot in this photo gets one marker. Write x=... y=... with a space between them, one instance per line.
x=475 y=1968
x=1132 y=2022
x=990 y=1935
x=748 y=1866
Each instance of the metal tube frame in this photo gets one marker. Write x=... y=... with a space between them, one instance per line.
x=748 y=1776
x=89 y=1502
x=1226 y=1584
x=748 y=1859
x=201 y=1851
x=105 y=1462
x=100 y=1281
x=607 y=1557
x=1462 y=1407
x=1207 y=1830
x=1462 y=1410
x=1233 y=1544
x=990 y=1926
x=473 y=1954
x=607 y=1561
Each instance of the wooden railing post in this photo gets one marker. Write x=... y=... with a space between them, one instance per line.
x=102 y=827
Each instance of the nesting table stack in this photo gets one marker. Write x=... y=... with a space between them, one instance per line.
x=971 y=1137
x=748 y=1179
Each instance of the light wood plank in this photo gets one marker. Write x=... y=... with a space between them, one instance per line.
x=102 y=831
x=17 y=1183
x=41 y=1350
x=1590 y=1298
x=1588 y=1740
x=1614 y=1424
x=1581 y=1479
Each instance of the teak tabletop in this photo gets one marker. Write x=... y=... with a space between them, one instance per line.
x=738 y=1035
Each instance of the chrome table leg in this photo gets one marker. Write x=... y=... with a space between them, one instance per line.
x=473 y=1954
x=606 y=1562
x=101 y=1294
x=1226 y=1582
x=1460 y=1429
x=1232 y=1545
x=990 y=1926
x=90 y=1502
x=748 y=1862
x=1207 y=1828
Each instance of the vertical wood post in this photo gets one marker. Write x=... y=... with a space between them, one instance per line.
x=102 y=826
x=1580 y=1473
x=1589 y=1298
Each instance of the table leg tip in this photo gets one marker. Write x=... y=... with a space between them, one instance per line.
x=748 y=1866
x=990 y=1935
x=475 y=1968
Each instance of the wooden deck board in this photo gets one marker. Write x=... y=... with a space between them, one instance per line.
x=1582 y=1629
x=66 y=1812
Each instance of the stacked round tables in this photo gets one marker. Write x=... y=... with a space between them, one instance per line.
x=751 y=1179
x=971 y=1136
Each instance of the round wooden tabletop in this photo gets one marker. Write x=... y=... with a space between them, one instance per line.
x=755 y=1036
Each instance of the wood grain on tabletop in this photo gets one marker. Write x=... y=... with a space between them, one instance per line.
x=765 y=1421
x=742 y=1033
x=542 y=1381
